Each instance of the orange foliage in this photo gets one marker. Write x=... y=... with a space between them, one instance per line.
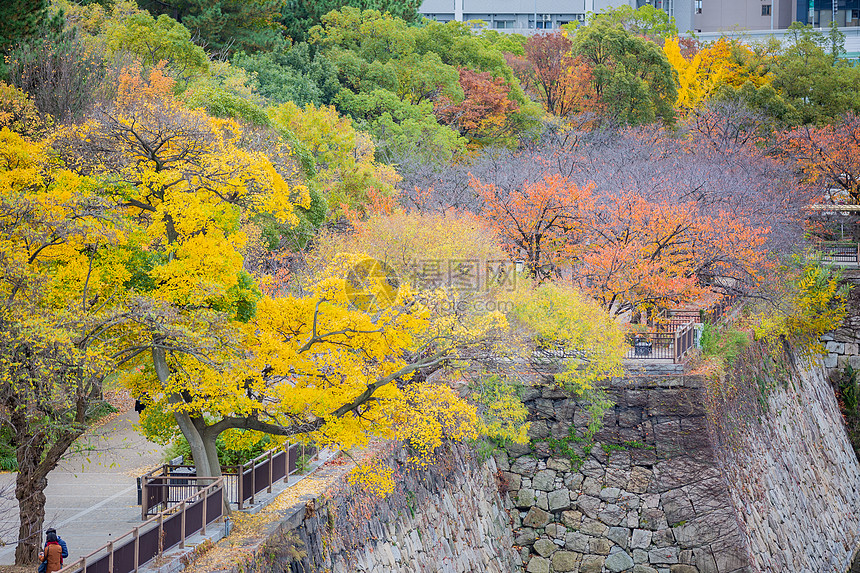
x=627 y=252
x=483 y=113
x=830 y=157
x=541 y=223
x=562 y=83
x=646 y=254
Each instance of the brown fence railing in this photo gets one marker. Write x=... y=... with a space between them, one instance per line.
x=164 y=486
x=151 y=539
x=662 y=344
x=840 y=252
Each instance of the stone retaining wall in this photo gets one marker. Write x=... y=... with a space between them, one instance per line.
x=446 y=518
x=795 y=480
x=658 y=504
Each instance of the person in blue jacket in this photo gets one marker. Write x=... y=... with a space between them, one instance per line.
x=62 y=543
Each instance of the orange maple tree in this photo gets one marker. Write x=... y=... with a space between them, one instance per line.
x=562 y=82
x=829 y=156
x=484 y=112
x=541 y=222
x=644 y=255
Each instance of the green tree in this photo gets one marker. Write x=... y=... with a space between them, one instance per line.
x=299 y=16
x=809 y=75
x=20 y=19
x=646 y=21
x=229 y=25
x=633 y=79
x=153 y=40
x=292 y=73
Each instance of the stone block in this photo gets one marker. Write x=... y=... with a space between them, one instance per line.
x=663 y=538
x=538 y=565
x=591 y=564
x=640 y=556
x=852 y=348
x=831 y=360
x=612 y=515
x=513 y=480
x=538 y=429
x=652 y=519
x=854 y=362
x=619 y=536
x=544 y=480
x=835 y=347
x=527 y=536
x=639 y=480
x=544 y=547
x=556 y=531
x=558 y=499
x=564 y=561
x=599 y=546
x=677 y=506
x=644 y=569
x=541 y=500
x=641 y=539
x=526 y=498
x=636 y=398
x=618 y=562
x=591 y=486
x=593 y=527
x=525 y=466
x=571 y=519
x=536 y=517
x=576 y=541
x=573 y=481
x=630 y=417
x=558 y=464
x=609 y=493
x=628 y=501
x=588 y=505
x=664 y=555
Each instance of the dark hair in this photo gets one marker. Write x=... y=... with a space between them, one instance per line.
x=50 y=530
x=51 y=536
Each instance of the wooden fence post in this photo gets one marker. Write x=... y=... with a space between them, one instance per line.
x=182 y=526
x=110 y=557
x=136 y=549
x=144 y=498
x=241 y=472
x=271 y=479
x=287 y=463
x=205 y=500
x=253 y=482
x=160 y=534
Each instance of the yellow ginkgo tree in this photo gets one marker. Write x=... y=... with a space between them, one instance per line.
x=205 y=350
x=721 y=63
x=63 y=265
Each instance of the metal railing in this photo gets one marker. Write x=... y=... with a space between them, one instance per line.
x=840 y=252
x=661 y=344
x=170 y=528
x=163 y=487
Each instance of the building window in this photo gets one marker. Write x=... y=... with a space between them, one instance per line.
x=544 y=22
x=698 y=6
x=504 y=23
x=855 y=14
x=765 y=9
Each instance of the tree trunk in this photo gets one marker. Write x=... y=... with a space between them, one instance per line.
x=30 y=492
x=191 y=431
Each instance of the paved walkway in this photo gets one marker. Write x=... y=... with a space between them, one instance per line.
x=92 y=496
